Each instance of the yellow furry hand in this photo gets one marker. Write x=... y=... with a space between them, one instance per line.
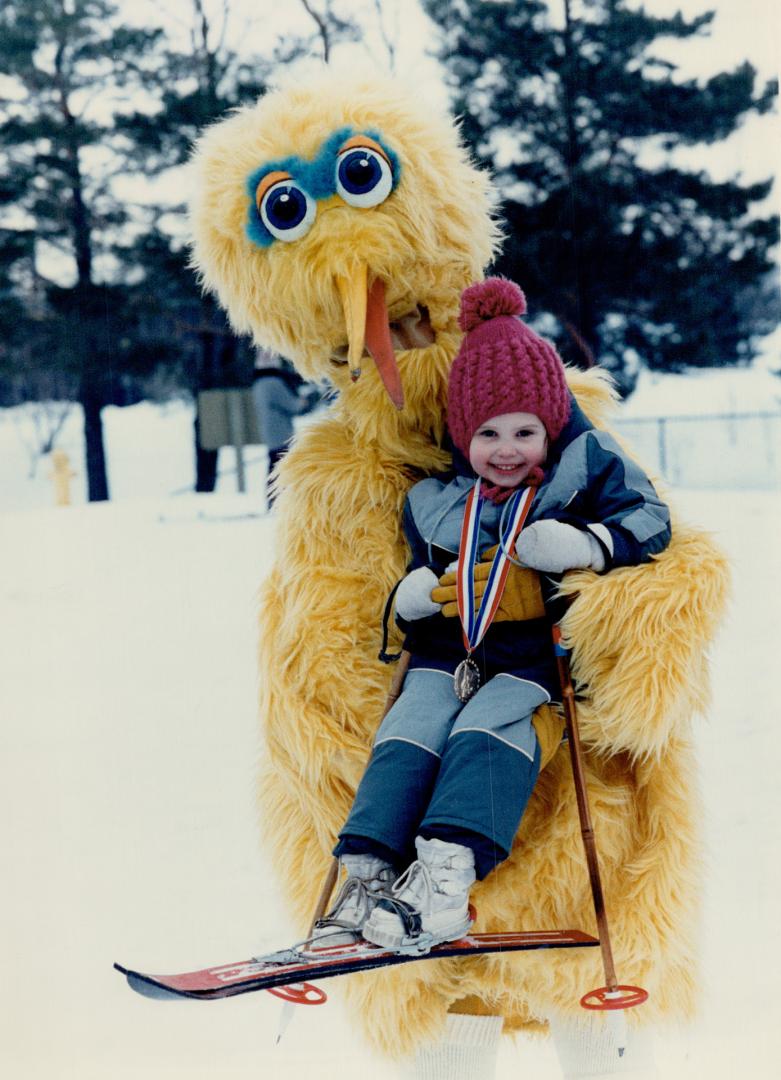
x=521 y=599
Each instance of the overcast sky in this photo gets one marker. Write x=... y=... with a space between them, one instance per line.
x=742 y=30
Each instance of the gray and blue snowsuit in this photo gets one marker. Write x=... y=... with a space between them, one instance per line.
x=464 y=772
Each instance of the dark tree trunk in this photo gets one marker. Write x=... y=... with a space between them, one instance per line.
x=92 y=403
x=216 y=370
x=205 y=463
x=91 y=397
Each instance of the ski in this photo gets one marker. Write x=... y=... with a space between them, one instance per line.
x=290 y=967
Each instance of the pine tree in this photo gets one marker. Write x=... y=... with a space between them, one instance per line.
x=632 y=252
x=191 y=89
x=15 y=251
x=60 y=153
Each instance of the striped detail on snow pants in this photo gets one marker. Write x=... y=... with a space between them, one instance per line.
x=442 y=768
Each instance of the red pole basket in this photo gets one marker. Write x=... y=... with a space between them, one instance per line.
x=300 y=994
x=619 y=997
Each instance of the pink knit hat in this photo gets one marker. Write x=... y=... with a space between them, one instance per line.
x=502 y=365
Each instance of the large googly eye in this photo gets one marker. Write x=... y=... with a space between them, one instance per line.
x=285 y=209
x=363 y=176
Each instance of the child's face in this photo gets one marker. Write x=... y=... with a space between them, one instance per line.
x=506 y=448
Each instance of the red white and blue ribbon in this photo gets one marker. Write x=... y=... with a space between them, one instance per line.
x=475 y=621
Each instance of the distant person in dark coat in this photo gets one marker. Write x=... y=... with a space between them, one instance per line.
x=279 y=394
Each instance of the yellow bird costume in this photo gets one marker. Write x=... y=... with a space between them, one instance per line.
x=341 y=213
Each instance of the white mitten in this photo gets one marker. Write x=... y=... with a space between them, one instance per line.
x=554 y=547
x=413 y=596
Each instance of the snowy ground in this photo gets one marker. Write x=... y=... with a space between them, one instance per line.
x=128 y=759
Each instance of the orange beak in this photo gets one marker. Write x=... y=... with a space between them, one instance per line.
x=366 y=319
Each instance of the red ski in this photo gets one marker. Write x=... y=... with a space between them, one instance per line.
x=284 y=972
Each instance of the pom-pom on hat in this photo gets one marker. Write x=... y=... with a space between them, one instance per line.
x=502 y=365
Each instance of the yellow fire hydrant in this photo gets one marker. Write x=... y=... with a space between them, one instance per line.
x=61 y=476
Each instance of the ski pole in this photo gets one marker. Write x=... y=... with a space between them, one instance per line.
x=396 y=686
x=612 y=995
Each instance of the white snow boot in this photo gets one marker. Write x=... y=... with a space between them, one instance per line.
x=429 y=903
x=368 y=878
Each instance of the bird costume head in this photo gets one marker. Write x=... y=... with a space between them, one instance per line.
x=339 y=218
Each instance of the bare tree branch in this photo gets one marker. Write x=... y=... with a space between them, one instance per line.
x=390 y=42
x=322 y=27
x=225 y=20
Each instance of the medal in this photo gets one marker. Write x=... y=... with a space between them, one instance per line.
x=466 y=680
x=475 y=622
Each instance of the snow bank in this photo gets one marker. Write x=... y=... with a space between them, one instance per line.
x=128 y=758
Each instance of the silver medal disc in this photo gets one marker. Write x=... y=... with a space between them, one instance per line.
x=466 y=679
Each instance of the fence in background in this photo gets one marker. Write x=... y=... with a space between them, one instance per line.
x=723 y=450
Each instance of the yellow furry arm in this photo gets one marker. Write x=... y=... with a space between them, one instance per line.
x=639 y=637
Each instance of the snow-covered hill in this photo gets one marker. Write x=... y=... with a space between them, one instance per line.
x=128 y=755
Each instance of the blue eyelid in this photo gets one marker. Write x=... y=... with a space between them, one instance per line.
x=314 y=177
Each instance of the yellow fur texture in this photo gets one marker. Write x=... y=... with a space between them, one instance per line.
x=638 y=635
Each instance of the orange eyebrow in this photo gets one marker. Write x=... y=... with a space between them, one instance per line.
x=361 y=141
x=268 y=181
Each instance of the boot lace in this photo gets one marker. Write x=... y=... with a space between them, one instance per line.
x=355 y=900
x=418 y=882
x=353 y=897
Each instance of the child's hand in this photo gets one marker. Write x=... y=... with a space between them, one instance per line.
x=413 y=596
x=554 y=547
x=521 y=599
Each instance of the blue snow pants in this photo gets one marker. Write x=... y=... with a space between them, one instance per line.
x=440 y=768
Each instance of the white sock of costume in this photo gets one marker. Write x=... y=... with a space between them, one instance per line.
x=588 y=1046
x=466 y=1051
